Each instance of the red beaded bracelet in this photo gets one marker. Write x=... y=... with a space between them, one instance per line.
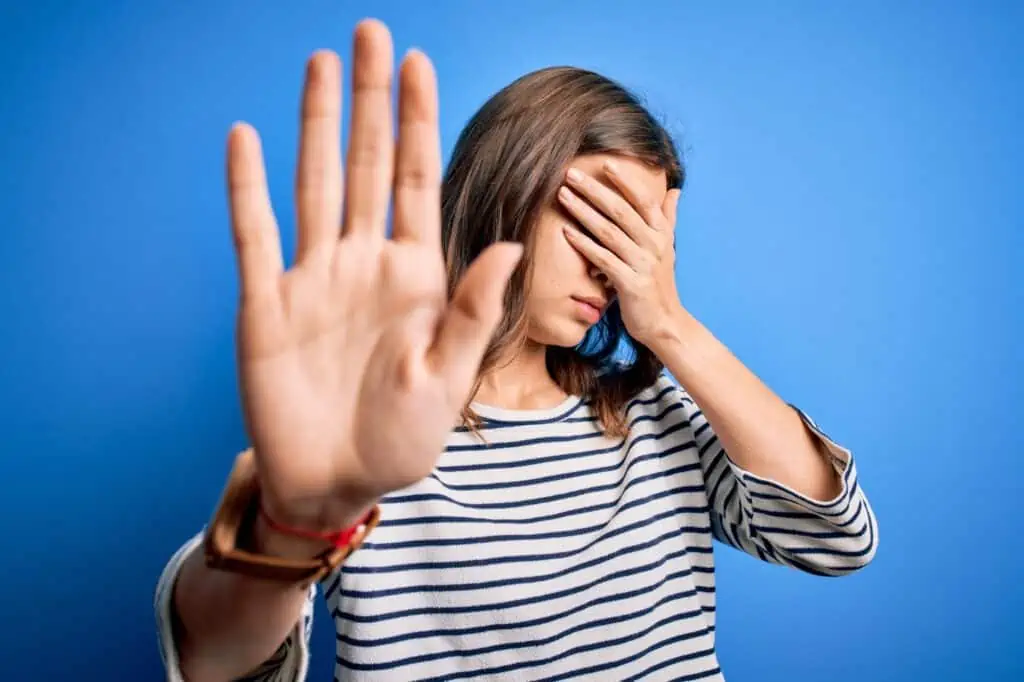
x=337 y=538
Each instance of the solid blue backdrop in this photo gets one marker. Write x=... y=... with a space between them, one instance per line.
x=852 y=229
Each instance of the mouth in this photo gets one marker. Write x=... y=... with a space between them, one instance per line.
x=590 y=309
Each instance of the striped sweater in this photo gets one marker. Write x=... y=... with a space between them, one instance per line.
x=550 y=551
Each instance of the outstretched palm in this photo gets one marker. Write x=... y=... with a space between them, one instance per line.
x=354 y=364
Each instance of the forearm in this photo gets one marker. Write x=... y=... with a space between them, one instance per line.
x=760 y=432
x=229 y=624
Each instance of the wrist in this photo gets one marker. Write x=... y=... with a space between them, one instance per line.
x=265 y=540
x=677 y=328
x=294 y=537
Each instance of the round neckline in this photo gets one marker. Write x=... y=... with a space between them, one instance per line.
x=508 y=415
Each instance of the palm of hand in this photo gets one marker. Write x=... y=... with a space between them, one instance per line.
x=353 y=363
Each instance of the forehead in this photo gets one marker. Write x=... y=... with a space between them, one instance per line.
x=648 y=181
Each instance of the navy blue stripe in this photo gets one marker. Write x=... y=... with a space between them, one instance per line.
x=724 y=472
x=531 y=537
x=820 y=535
x=523 y=601
x=701 y=429
x=494 y=426
x=438 y=497
x=530 y=644
x=804 y=566
x=807 y=516
x=525 y=580
x=703 y=674
x=489 y=423
x=769 y=550
x=492 y=561
x=815 y=516
x=485 y=465
x=432 y=520
x=582 y=649
x=578 y=473
x=731 y=495
x=793 y=497
x=635 y=657
x=424 y=497
x=512 y=444
x=656 y=398
x=511 y=537
x=526 y=624
x=832 y=551
x=534 y=422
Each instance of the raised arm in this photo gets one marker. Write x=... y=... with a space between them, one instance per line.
x=353 y=363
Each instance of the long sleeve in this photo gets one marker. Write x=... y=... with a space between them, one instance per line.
x=288 y=664
x=773 y=522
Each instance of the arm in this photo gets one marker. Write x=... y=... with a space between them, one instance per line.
x=761 y=433
x=215 y=625
x=353 y=361
x=778 y=488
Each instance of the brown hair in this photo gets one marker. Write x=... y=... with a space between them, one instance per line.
x=507 y=164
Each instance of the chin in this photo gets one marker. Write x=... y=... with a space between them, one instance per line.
x=564 y=333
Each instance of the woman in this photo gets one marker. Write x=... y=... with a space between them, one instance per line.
x=546 y=506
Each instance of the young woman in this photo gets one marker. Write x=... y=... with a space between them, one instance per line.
x=545 y=496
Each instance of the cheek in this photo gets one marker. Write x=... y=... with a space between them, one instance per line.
x=557 y=265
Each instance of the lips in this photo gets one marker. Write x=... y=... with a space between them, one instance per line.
x=593 y=301
x=589 y=309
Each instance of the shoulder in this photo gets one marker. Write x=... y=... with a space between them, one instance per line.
x=663 y=396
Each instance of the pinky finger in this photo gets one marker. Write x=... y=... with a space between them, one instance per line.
x=256 y=239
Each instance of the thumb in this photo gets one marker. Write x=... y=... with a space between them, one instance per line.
x=472 y=316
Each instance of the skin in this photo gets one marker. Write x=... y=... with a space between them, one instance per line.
x=354 y=365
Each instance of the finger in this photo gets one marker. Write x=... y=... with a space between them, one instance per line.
x=606 y=232
x=645 y=207
x=370 y=159
x=418 y=159
x=669 y=206
x=603 y=259
x=253 y=228
x=472 y=316
x=610 y=203
x=318 y=178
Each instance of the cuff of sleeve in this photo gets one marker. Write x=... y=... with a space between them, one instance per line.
x=768 y=495
x=293 y=667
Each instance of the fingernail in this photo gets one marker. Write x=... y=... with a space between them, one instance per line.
x=574 y=175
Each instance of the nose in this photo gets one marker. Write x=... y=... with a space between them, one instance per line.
x=600 y=277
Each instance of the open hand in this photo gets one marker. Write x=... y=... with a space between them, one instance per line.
x=353 y=363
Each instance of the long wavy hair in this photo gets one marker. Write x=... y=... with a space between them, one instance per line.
x=507 y=164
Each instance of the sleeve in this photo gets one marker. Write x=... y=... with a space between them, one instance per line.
x=777 y=524
x=289 y=663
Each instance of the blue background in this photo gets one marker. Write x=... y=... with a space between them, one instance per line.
x=852 y=229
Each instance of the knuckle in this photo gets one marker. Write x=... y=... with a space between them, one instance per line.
x=369 y=150
x=415 y=176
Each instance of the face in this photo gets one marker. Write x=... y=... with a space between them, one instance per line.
x=567 y=294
